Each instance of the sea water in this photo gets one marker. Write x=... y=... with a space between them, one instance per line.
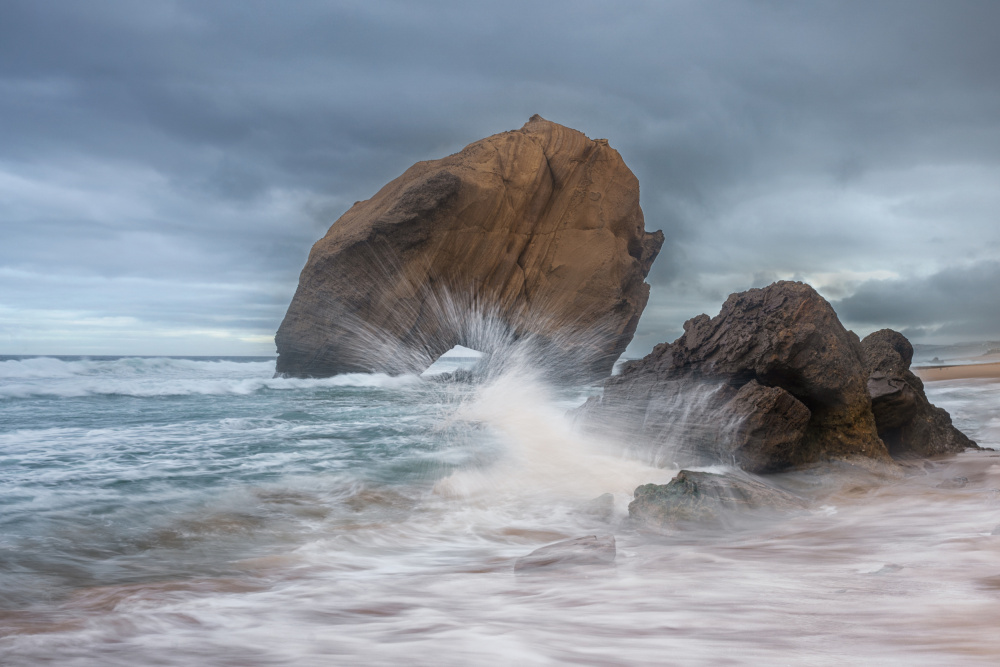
x=165 y=511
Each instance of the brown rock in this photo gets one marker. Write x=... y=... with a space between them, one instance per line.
x=535 y=233
x=782 y=336
x=907 y=422
x=769 y=424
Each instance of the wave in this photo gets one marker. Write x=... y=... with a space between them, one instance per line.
x=53 y=367
x=158 y=376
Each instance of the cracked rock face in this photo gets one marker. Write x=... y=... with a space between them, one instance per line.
x=536 y=232
x=773 y=381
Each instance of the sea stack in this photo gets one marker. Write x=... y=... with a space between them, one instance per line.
x=536 y=232
x=773 y=382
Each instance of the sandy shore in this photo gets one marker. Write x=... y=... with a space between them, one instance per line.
x=960 y=372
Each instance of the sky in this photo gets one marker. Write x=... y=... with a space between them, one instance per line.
x=166 y=166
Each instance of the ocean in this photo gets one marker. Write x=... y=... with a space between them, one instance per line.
x=198 y=511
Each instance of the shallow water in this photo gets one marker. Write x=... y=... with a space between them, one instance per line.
x=179 y=512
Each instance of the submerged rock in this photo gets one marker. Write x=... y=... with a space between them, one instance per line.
x=701 y=497
x=601 y=508
x=590 y=550
x=535 y=233
x=954 y=483
x=773 y=381
x=907 y=422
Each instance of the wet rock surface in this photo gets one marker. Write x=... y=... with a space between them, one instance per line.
x=536 y=231
x=580 y=551
x=769 y=425
x=707 y=498
x=773 y=381
x=907 y=422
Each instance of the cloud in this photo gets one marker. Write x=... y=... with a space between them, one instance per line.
x=212 y=143
x=958 y=303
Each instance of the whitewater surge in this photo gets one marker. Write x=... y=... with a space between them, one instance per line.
x=192 y=511
x=543 y=455
x=161 y=376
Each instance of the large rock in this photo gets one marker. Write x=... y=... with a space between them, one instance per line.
x=773 y=381
x=907 y=422
x=707 y=498
x=529 y=234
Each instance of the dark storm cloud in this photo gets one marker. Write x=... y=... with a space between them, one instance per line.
x=956 y=301
x=212 y=143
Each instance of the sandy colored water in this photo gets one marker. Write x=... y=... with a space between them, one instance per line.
x=895 y=571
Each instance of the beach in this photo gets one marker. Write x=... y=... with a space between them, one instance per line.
x=989 y=371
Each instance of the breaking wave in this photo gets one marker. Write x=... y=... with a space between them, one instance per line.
x=146 y=377
x=370 y=519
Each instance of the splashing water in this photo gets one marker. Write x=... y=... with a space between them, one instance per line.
x=544 y=456
x=201 y=512
x=420 y=315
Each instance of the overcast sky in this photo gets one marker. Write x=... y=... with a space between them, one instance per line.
x=165 y=166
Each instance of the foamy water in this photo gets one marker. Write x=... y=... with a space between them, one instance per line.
x=189 y=512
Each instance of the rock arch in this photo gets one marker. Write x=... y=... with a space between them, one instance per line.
x=534 y=234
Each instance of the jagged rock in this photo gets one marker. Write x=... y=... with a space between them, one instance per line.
x=535 y=233
x=693 y=394
x=907 y=422
x=701 y=497
x=590 y=550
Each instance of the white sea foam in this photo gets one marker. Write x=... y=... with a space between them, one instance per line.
x=52 y=367
x=151 y=377
x=542 y=452
x=306 y=542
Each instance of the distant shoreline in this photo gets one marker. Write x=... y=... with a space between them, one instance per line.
x=958 y=372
